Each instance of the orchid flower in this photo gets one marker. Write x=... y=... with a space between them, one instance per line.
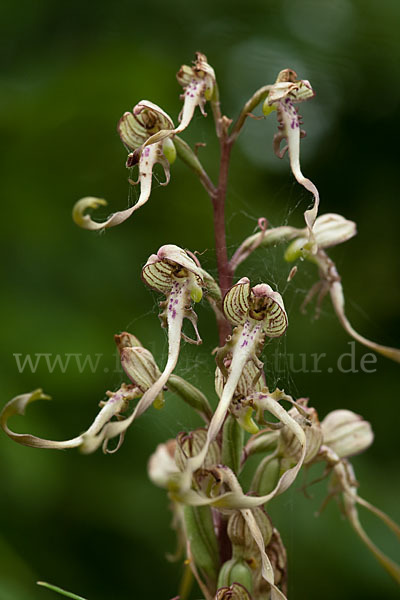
x=329 y=230
x=173 y=273
x=254 y=531
x=146 y=132
x=88 y=441
x=199 y=84
x=286 y=91
x=256 y=312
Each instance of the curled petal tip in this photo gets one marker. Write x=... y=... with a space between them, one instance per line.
x=84 y=220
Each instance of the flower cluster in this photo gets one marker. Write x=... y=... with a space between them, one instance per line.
x=231 y=545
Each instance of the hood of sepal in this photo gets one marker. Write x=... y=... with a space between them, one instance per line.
x=190 y=444
x=261 y=304
x=161 y=466
x=329 y=230
x=126 y=340
x=172 y=264
x=346 y=433
x=146 y=119
x=313 y=432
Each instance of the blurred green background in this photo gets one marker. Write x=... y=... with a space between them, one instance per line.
x=95 y=524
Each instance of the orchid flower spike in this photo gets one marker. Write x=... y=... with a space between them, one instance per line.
x=256 y=312
x=173 y=273
x=146 y=132
x=198 y=83
x=286 y=91
x=329 y=230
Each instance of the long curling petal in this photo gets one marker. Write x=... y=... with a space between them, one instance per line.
x=176 y=307
x=149 y=157
x=337 y=297
x=17 y=406
x=345 y=475
x=266 y=567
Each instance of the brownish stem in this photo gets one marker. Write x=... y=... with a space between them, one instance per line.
x=218 y=202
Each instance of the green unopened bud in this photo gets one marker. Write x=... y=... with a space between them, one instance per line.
x=263 y=442
x=196 y=293
x=313 y=433
x=268 y=109
x=266 y=476
x=201 y=536
x=190 y=394
x=300 y=248
x=235 y=570
x=346 y=433
x=234 y=592
x=329 y=230
x=243 y=543
x=169 y=150
x=232 y=444
x=139 y=364
x=190 y=444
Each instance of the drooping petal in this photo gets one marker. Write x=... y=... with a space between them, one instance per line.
x=337 y=297
x=291 y=130
x=17 y=406
x=116 y=403
x=330 y=281
x=149 y=157
x=287 y=90
x=175 y=314
x=242 y=352
x=266 y=567
x=344 y=474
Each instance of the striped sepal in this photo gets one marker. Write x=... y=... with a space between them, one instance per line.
x=132 y=134
x=157 y=274
x=159 y=270
x=236 y=302
x=276 y=322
